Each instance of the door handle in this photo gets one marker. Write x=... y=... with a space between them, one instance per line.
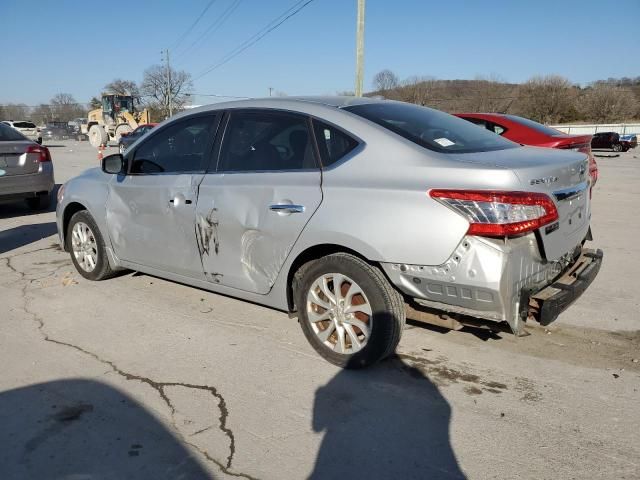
x=286 y=208
x=179 y=200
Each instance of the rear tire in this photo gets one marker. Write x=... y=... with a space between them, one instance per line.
x=83 y=240
x=40 y=202
x=617 y=147
x=367 y=338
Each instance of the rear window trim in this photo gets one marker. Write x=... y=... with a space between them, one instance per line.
x=346 y=157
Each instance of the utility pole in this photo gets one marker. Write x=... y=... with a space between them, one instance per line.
x=360 y=49
x=169 y=92
x=270 y=90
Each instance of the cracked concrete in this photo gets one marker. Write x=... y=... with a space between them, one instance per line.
x=160 y=387
x=137 y=377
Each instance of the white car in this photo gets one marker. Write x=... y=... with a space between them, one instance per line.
x=28 y=129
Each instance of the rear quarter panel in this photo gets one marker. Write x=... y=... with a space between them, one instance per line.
x=376 y=202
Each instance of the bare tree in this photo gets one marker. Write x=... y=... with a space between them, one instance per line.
x=548 y=99
x=419 y=90
x=42 y=114
x=119 y=86
x=15 y=111
x=491 y=94
x=94 y=103
x=385 y=80
x=65 y=107
x=155 y=88
x=605 y=102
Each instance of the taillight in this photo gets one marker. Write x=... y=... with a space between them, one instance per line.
x=43 y=152
x=499 y=214
x=593 y=169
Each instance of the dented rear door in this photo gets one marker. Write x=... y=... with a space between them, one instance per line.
x=251 y=212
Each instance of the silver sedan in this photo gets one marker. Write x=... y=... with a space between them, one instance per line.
x=348 y=213
x=26 y=170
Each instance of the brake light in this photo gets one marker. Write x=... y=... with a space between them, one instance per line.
x=499 y=214
x=43 y=152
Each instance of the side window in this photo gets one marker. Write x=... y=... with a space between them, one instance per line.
x=266 y=141
x=477 y=121
x=333 y=143
x=497 y=129
x=179 y=148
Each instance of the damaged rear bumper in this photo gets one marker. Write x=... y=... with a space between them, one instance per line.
x=499 y=280
x=545 y=305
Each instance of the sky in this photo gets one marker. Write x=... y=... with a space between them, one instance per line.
x=77 y=47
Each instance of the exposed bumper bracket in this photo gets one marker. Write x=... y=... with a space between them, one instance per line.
x=545 y=305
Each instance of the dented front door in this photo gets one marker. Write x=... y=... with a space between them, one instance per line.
x=250 y=214
x=151 y=211
x=150 y=221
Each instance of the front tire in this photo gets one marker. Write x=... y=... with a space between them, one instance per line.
x=120 y=129
x=617 y=147
x=86 y=246
x=348 y=311
x=97 y=136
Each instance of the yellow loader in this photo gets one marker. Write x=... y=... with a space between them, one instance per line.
x=116 y=116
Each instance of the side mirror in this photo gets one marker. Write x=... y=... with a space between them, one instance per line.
x=113 y=164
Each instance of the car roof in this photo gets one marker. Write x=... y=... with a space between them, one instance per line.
x=287 y=102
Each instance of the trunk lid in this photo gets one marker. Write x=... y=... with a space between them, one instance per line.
x=564 y=177
x=14 y=160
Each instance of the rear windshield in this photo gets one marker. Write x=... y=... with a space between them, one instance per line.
x=534 y=125
x=24 y=125
x=8 y=134
x=432 y=129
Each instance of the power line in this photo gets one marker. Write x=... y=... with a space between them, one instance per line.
x=214 y=27
x=184 y=35
x=257 y=37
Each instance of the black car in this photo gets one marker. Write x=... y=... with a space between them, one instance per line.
x=57 y=131
x=609 y=140
x=130 y=138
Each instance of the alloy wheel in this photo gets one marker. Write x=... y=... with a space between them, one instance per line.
x=84 y=246
x=339 y=313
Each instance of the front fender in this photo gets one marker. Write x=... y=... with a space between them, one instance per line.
x=90 y=191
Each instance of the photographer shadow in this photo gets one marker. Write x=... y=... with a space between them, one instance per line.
x=389 y=421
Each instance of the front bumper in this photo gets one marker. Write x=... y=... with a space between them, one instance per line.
x=493 y=279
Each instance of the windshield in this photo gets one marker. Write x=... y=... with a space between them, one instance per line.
x=431 y=128
x=538 y=127
x=8 y=134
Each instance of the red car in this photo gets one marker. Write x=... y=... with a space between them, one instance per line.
x=527 y=132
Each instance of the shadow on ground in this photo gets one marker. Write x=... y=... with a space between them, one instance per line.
x=388 y=421
x=19 y=208
x=22 y=235
x=86 y=429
